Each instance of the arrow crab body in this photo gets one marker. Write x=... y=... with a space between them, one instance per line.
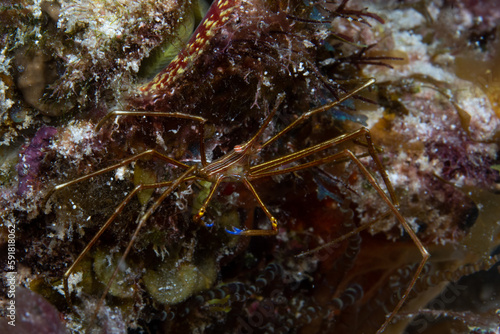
x=244 y=86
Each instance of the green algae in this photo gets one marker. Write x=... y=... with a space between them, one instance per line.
x=174 y=282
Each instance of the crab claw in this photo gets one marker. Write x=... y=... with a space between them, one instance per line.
x=234 y=231
x=197 y=217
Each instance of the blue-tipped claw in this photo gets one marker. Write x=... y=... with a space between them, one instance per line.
x=208 y=225
x=234 y=231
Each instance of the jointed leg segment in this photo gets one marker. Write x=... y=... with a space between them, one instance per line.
x=202 y=210
x=266 y=169
x=96 y=237
x=124 y=162
x=318 y=110
x=201 y=123
x=237 y=231
x=269 y=169
x=173 y=185
x=120 y=207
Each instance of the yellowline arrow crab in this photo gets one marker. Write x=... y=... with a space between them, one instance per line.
x=219 y=31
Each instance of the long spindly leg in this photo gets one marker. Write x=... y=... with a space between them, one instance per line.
x=186 y=176
x=240 y=148
x=318 y=110
x=265 y=169
x=343 y=138
x=349 y=155
x=346 y=235
x=274 y=222
x=108 y=222
x=236 y=231
x=120 y=207
x=203 y=209
x=201 y=123
x=122 y=163
x=407 y=228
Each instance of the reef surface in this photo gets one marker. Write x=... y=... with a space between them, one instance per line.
x=433 y=114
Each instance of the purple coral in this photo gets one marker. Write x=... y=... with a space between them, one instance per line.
x=34 y=315
x=31 y=158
